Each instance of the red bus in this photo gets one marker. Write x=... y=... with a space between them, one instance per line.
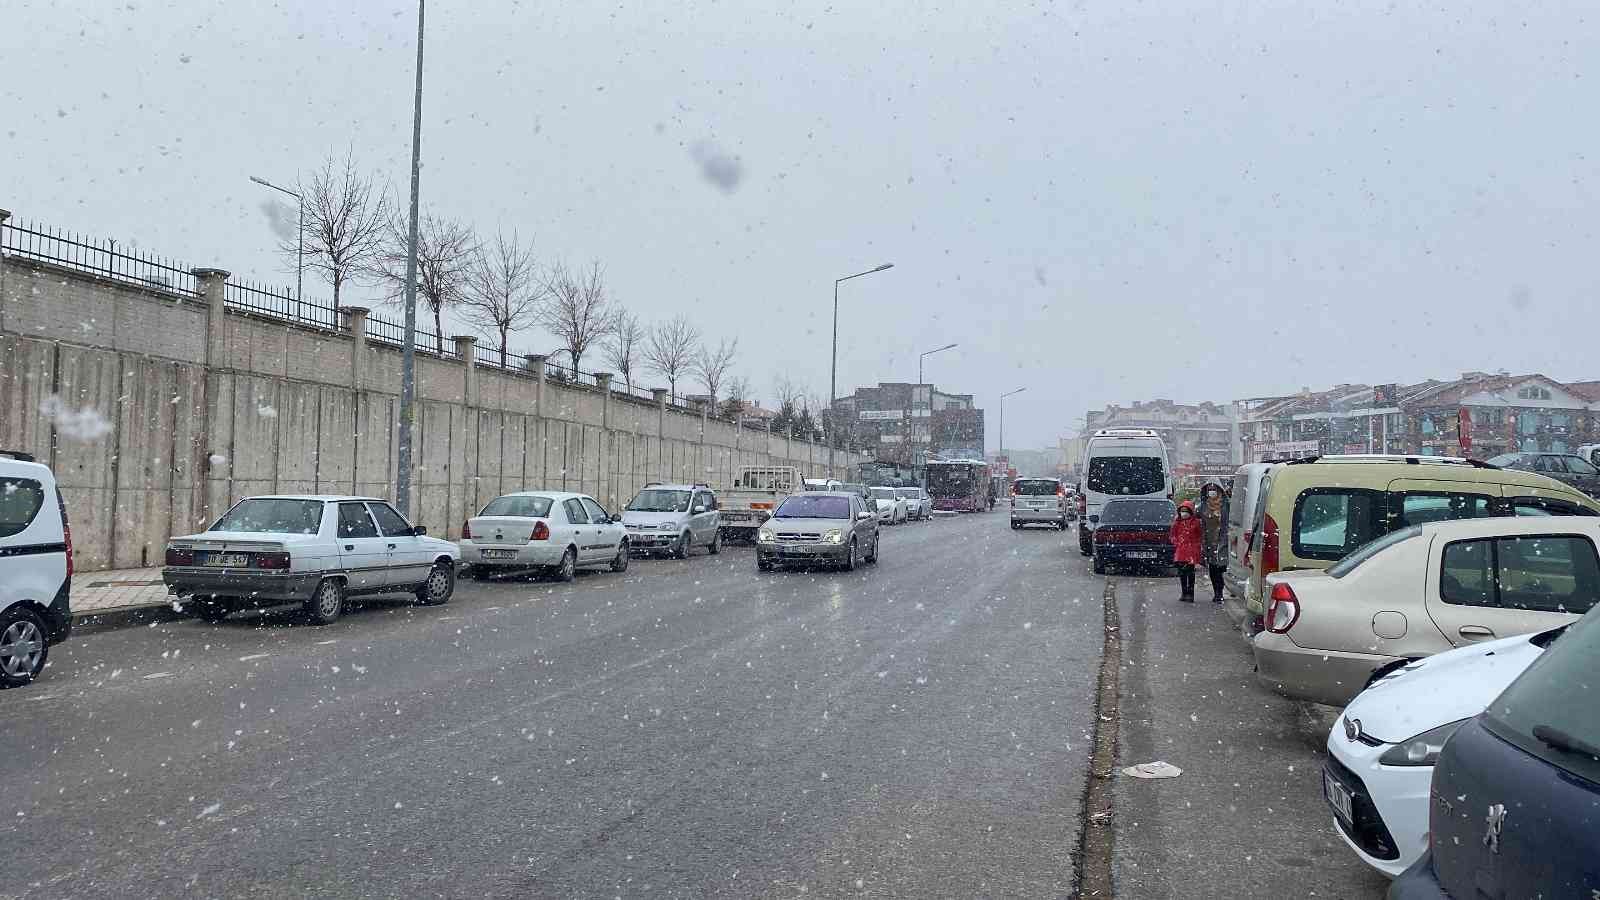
x=960 y=485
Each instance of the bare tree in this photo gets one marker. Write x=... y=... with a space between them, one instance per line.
x=671 y=350
x=504 y=293
x=578 y=310
x=712 y=366
x=738 y=392
x=788 y=391
x=627 y=341
x=445 y=253
x=345 y=219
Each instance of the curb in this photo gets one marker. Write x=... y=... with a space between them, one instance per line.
x=94 y=622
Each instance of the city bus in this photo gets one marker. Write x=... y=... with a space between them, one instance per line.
x=960 y=485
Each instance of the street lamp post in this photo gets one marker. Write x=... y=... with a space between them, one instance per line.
x=928 y=354
x=1003 y=418
x=299 y=238
x=408 y=355
x=922 y=452
x=833 y=367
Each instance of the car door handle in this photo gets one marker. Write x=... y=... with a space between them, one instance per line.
x=1475 y=632
x=391 y=546
x=349 y=546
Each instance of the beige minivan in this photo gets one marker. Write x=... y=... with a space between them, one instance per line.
x=1316 y=510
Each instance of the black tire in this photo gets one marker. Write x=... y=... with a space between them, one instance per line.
x=23 y=647
x=715 y=546
x=207 y=610
x=680 y=550
x=440 y=584
x=873 y=556
x=852 y=560
x=763 y=564
x=619 y=563
x=1084 y=546
x=1098 y=566
x=1016 y=526
x=326 y=604
x=567 y=569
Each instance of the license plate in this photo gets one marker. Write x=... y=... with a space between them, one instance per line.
x=1142 y=554
x=229 y=560
x=1338 y=798
x=499 y=554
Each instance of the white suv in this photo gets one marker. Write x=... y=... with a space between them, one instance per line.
x=35 y=567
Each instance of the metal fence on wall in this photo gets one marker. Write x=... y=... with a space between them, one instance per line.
x=106 y=257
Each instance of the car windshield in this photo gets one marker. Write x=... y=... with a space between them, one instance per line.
x=518 y=506
x=1546 y=711
x=1125 y=474
x=660 y=500
x=802 y=506
x=880 y=493
x=272 y=515
x=1372 y=548
x=1035 y=487
x=1138 y=512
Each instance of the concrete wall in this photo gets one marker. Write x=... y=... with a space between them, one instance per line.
x=171 y=408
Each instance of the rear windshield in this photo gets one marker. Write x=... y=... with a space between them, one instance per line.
x=20 y=501
x=1241 y=486
x=1035 y=487
x=270 y=515
x=883 y=493
x=1343 y=566
x=1551 y=711
x=1125 y=475
x=802 y=506
x=660 y=501
x=1138 y=512
x=523 y=507
x=908 y=493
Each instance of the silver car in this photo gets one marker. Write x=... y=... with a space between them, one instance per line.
x=673 y=518
x=1038 y=501
x=817 y=527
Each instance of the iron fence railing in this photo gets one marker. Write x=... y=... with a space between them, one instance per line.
x=279 y=304
x=106 y=257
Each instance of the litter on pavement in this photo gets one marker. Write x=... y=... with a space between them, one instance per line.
x=1156 y=769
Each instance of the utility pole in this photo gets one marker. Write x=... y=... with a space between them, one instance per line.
x=408 y=355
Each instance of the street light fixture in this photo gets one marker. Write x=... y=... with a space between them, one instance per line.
x=299 y=238
x=921 y=452
x=408 y=351
x=928 y=354
x=833 y=368
x=1003 y=417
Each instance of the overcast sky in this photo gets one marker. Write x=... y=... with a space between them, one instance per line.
x=1101 y=201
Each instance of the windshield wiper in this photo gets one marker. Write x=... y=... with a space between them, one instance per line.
x=1564 y=742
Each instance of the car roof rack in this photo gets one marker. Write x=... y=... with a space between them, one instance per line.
x=19 y=455
x=1410 y=459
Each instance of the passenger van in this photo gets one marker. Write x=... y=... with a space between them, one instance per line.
x=1242 y=502
x=1117 y=463
x=1315 y=510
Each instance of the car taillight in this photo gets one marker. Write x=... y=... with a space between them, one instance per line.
x=466 y=530
x=1269 y=546
x=541 y=532
x=272 y=560
x=66 y=537
x=180 y=556
x=1283 y=609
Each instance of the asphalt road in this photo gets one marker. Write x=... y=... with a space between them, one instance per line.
x=690 y=728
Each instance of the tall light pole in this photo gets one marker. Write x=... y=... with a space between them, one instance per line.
x=928 y=354
x=833 y=368
x=1003 y=420
x=408 y=355
x=920 y=358
x=299 y=238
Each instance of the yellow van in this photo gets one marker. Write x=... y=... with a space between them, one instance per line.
x=1318 y=509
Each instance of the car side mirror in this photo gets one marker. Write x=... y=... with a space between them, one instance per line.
x=699 y=509
x=419 y=530
x=864 y=515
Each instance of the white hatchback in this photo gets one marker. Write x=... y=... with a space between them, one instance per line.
x=553 y=530
x=35 y=567
x=1381 y=751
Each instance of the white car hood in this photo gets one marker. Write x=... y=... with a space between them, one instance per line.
x=1447 y=687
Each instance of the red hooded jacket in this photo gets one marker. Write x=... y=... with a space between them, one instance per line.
x=1187 y=536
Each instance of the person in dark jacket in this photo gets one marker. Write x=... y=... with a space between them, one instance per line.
x=1186 y=549
x=1214 y=537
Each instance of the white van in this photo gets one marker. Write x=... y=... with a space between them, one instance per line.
x=1120 y=462
x=1242 y=503
x=35 y=568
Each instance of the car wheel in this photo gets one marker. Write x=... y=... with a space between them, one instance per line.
x=715 y=546
x=1084 y=547
x=873 y=556
x=441 y=583
x=763 y=564
x=851 y=561
x=1016 y=526
x=23 y=649
x=327 y=604
x=567 y=569
x=620 y=563
x=680 y=550
x=207 y=610
x=1098 y=566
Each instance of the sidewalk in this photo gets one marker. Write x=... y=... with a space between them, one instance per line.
x=111 y=597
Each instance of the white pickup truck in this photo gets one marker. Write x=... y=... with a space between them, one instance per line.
x=748 y=503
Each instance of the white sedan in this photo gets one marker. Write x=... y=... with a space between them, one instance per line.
x=890 y=505
x=918 y=504
x=553 y=530
x=1382 y=750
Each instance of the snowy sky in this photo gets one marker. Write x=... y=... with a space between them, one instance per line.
x=1102 y=201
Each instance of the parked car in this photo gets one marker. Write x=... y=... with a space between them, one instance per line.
x=835 y=527
x=1567 y=468
x=1315 y=511
x=1038 y=501
x=1118 y=463
x=556 y=531
x=891 y=506
x=1242 y=502
x=918 y=504
x=823 y=484
x=1591 y=452
x=35 y=567
x=1515 y=790
x=315 y=550
x=1420 y=591
x=1134 y=533
x=1382 y=750
x=754 y=494
x=673 y=518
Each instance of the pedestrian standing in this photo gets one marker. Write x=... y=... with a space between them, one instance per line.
x=1214 y=536
x=1186 y=549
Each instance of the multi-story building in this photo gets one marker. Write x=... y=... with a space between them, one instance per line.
x=1201 y=437
x=902 y=423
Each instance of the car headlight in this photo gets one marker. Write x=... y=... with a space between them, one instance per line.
x=766 y=536
x=833 y=535
x=667 y=526
x=1422 y=750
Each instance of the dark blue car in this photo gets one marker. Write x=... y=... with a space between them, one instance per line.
x=1515 y=806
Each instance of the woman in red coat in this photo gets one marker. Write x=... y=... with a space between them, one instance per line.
x=1186 y=540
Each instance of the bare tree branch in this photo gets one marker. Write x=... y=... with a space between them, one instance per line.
x=345 y=218
x=738 y=393
x=712 y=366
x=627 y=341
x=578 y=310
x=504 y=293
x=445 y=252
x=788 y=391
x=671 y=350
